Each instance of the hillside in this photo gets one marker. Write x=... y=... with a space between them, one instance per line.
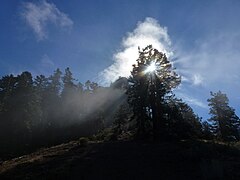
x=127 y=160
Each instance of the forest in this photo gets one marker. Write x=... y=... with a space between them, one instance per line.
x=42 y=111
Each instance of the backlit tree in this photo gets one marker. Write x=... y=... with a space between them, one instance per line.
x=152 y=78
x=225 y=122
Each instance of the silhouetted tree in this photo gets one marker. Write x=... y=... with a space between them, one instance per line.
x=41 y=85
x=26 y=112
x=180 y=119
x=68 y=83
x=207 y=130
x=8 y=86
x=225 y=122
x=121 y=119
x=151 y=79
x=54 y=90
x=69 y=96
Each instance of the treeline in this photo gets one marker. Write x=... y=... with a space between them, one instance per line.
x=44 y=111
x=159 y=114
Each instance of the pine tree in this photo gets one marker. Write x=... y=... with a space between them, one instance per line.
x=7 y=106
x=181 y=121
x=225 y=122
x=41 y=86
x=55 y=83
x=26 y=114
x=68 y=83
x=206 y=130
x=121 y=118
x=151 y=79
x=53 y=101
x=68 y=97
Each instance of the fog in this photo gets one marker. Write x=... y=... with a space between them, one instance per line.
x=92 y=103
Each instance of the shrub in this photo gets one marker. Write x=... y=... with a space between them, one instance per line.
x=83 y=141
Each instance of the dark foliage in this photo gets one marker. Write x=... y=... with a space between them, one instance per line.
x=148 y=89
x=49 y=110
x=181 y=122
x=44 y=111
x=225 y=123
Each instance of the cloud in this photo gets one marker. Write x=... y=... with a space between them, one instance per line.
x=147 y=32
x=46 y=62
x=45 y=66
x=197 y=79
x=39 y=15
x=213 y=62
x=191 y=100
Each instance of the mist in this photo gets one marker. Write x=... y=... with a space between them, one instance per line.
x=44 y=111
x=79 y=108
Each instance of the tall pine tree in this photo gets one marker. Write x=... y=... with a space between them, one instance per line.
x=151 y=79
x=225 y=122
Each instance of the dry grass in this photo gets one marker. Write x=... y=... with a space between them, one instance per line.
x=41 y=156
x=127 y=160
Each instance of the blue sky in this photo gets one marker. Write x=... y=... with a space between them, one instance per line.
x=93 y=37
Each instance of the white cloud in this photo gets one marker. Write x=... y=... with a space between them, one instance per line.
x=209 y=65
x=147 y=32
x=197 y=79
x=214 y=62
x=191 y=100
x=39 y=15
x=46 y=62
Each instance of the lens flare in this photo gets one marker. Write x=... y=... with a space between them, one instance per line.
x=150 y=68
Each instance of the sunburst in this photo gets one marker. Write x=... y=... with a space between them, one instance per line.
x=151 y=68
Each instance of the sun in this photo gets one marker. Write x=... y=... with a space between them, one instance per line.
x=150 y=68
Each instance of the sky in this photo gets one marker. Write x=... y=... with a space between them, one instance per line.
x=98 y=40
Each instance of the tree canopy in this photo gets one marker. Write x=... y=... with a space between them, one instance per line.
x=152 y=78
x=225 y=123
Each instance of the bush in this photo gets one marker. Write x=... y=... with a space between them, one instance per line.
x=83 y=141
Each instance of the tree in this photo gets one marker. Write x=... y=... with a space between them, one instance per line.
x=54 y=90
x=7 y=89
x=24 y=99
x=41 y=87
x=181 y=121
x=121 y=118
x=55 y=83
x=26 y=111
x=152 y=78
x=225 y=122
x=206 y=130
x=68 y=85
x=7 y=106
x=69 y=97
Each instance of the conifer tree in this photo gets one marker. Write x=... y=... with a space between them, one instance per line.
x=68 y=83
x=225 y=122
x=121 y=118
x=181 y=121
x=54 y=90
x=151 y=79
x=55 y=83
x=7 y=106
